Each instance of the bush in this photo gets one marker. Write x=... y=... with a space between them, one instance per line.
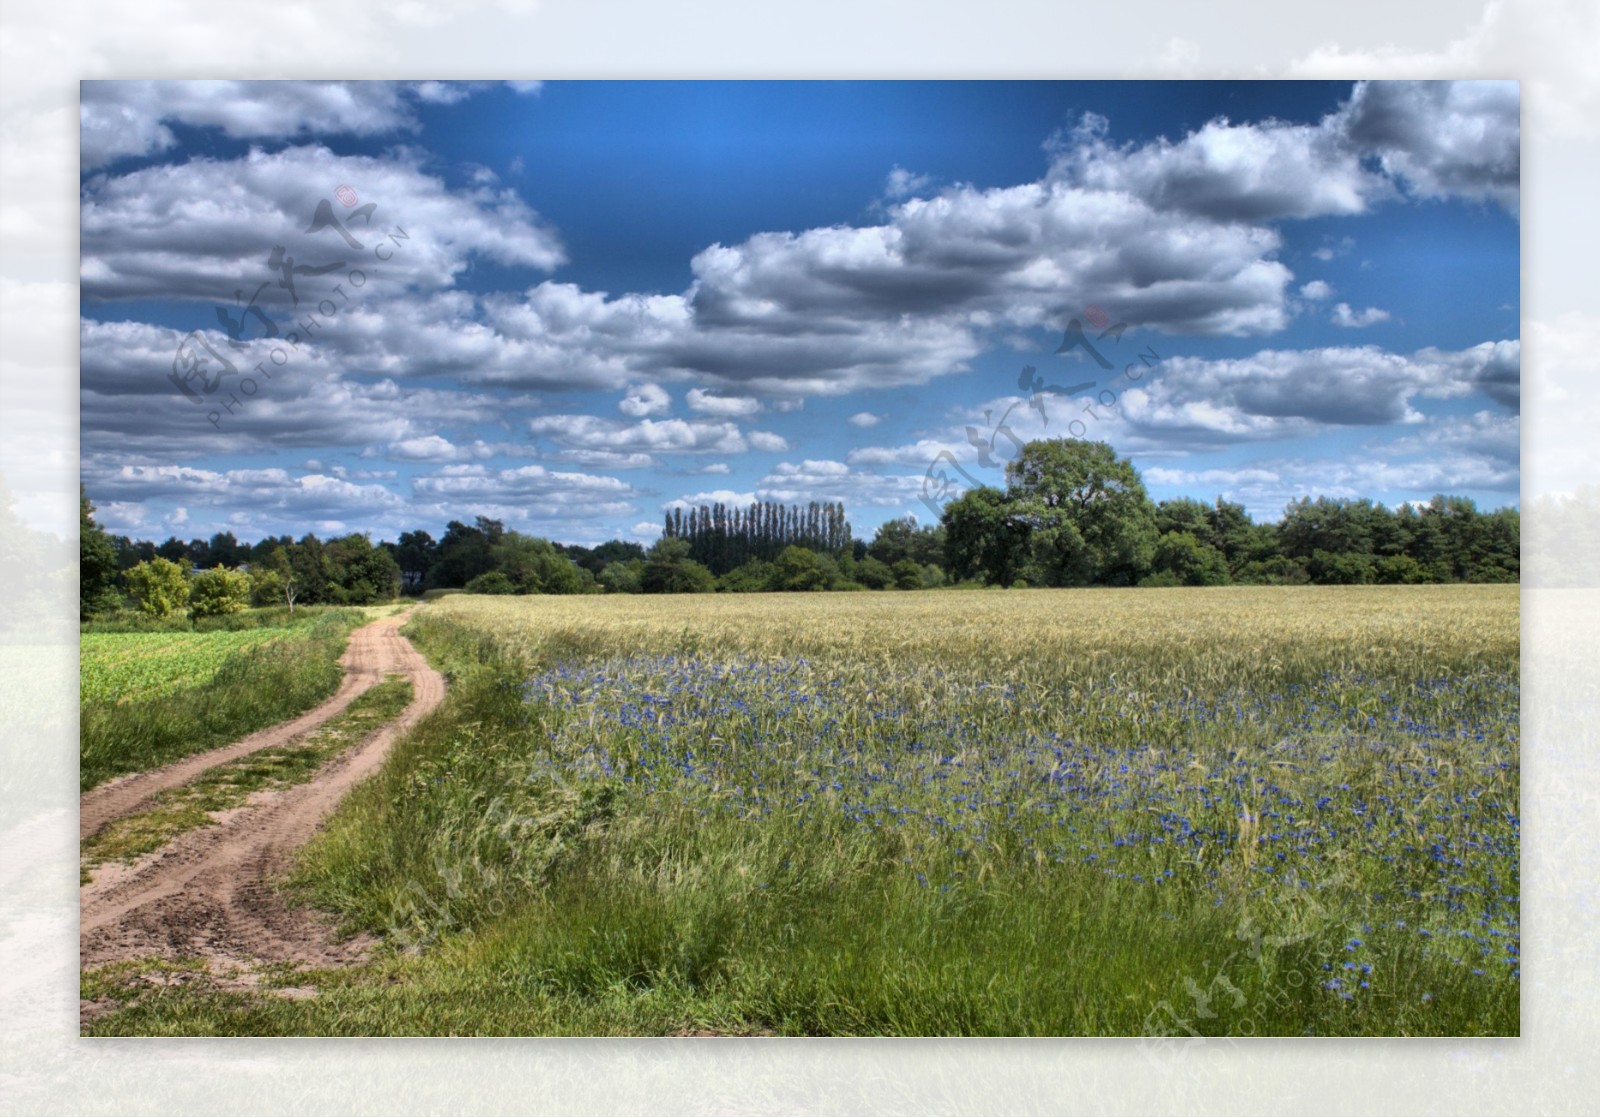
x=159 y=586
x=218 y=591
x=874 y=573
x=754 y=577
x=491 y=582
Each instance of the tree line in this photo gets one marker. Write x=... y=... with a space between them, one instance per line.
x=1072 y=513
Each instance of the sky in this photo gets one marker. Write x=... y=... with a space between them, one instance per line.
x=382 y=306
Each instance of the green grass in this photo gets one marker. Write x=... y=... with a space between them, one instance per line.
x=230 y=785
x=1049 y=812
x=204 y=691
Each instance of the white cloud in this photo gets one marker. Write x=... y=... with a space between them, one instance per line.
x=1459 y=139
x=645 y=399
x=208 y=228
x=767 y=441
x=1229 y=172
x=665 y=436
x=1343 y=315
x=711 y=497
x=1316 y=290
x=864 y=419
x=706 y=403
x=902 y=183
x=123 y=118
x=827 y=480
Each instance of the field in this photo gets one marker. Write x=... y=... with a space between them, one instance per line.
x=1156 y=812
x=125 y=667
x=147 y=698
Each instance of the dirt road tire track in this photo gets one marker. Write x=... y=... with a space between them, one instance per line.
x=209 y=893
x=369 y=655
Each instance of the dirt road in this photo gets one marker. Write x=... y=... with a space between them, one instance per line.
x=208 y=894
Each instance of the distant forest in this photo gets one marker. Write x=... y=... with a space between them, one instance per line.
x=1072 y=513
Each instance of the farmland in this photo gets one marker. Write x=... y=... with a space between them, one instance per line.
x=1158 y=812
x=147 y=698
x=126 y=667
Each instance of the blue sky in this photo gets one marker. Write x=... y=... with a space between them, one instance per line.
x=569 y=304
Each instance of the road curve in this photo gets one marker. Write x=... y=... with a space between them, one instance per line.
x=208 y=894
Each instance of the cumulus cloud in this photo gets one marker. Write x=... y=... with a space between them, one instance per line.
x=1343 y=315
x=828 y=480
x=767 y=441
x=530 y=492
x=707 y=403
x=130 y=118
x=207 y=229
x=1278 y=393
x=129 y=404
x=864 y=419
x=298 y=499
x=645 y=399
x=1437 y=139
x=1443 y=139
x=1230 y=172
x=711 y=497
x=666 y=436
x=1316 y=291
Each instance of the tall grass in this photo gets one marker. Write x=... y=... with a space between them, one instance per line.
x=252 y=688
x=1251 y=811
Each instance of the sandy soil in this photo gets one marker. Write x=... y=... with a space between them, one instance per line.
x=209 y=893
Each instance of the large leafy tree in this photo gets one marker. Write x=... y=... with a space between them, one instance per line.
x=1090 y=520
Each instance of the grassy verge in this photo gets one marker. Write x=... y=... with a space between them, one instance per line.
x=865 y=829
x=255 y=687
x=229 y=786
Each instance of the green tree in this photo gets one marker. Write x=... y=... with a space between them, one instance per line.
x=97 y=563
x=160 y=587
x=669 y=570
x=1187 y=561
x=1090 y=519
x=750 y=578
x=873 y=573
x=491 y=582
x=984 y=539
x=800 y=568
x=907 y=575
x=536 y=566
x=218 y=591
x=623 y=576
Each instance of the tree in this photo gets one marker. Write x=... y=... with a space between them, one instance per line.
x=623 y=576
x=800 y=568
x=359 y=573
x=1187 y=561
x=903 y=539
x=160 y=587
x=414 y=554
x=97 y=563
x=907 y=575
x=534 y=566
x=669 y=570
x=1090 y=519
x=874 y=574
x=218 y=591
x=983 y=539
